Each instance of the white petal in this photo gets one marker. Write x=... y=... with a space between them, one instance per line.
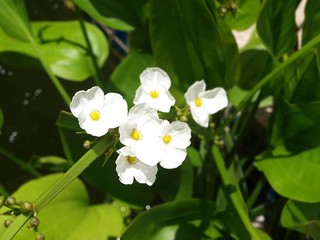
x=214 y=100
x=152 y=77
x=173 y=157
x=144 y=173
x=181 y=135
x=164 y=102
x=140 y=111
x=115 y=110
x=139 y=96
x=76 y=105
x=95 y=128
x=149 y=151
x=194 y=91
x=124 y=170
x=125 y=131
x=200 y=116
x=95 y=98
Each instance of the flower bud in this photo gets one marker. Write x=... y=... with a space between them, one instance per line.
x=2 y=199
x=87 y=144
x=34 y=222
x=10 y=201
x=26 y=207
x=7 y=223
x=40 y=236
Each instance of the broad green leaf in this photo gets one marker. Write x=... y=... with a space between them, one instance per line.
x=302 y=80
x=123 y=15
x=245 y=16
x=191 y=42
x=292 y=166
x=176 y=220
x=311 y=21
x=14 y=20
x=252 y=73
x=126 y=76
x=276 y=26
x=302 y=217
x=69 y=215
x=62 y=46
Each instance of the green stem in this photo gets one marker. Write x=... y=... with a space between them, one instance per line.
x=59 y=185
x=20 y=162
x=56 y=82
x=305 y=49
x=255 y=193
x=96 y=74
x=234 y=196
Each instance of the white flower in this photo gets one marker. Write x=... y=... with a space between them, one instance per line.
x=129 y=167
x=97 y=112
x=202 y=103
x=141 y=132
x=175 y=139
x=154 y=90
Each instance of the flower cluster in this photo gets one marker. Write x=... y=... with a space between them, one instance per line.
x=148 y=140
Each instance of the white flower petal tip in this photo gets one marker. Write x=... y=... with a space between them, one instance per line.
x=97 y=112
x=203 y=103
x=175 y=139
x=154 y=90
x=129 y=167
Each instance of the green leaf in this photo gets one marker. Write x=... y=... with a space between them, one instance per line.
x=292 y=166
x=176 y=220
x=246 y=15
x=126 y=76
x=14 y=20
x=276 y=26
x=67 y=121
x=123 y=15
x=302 y=217
x=311 y=21
x=69 y=215
x=62 y=46
x=191 y=42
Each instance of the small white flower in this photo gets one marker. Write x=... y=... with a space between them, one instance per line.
x=154 y=90
x=203 y=103
x=141 y=132
x=129 y=168
x=175 y=139
x=97 y=112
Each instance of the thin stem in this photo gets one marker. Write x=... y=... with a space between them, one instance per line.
x=20 y=162
x=96 y=74
x=73 y=172
x=234 y=196
x=256 y=191
x=56 y=82
x=306 y=48
x=59 y=185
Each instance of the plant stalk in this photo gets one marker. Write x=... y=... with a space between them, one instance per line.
x=234 y=195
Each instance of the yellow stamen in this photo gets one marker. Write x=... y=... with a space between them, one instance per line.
x=154 y=94
x=166 y=139
x=132 y=160
x=136 y=135
x=198 y=102
x=95 y=115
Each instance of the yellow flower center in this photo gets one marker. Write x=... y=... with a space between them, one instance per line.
x=95 y=115
x=198 y=102
x=132 y=160
x=166 y=139
x=136 y=135
x=154 y=94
